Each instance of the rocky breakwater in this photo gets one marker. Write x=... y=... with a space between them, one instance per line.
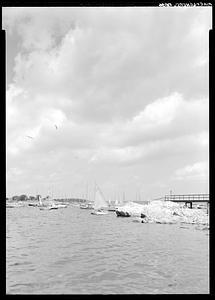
x=164 y=212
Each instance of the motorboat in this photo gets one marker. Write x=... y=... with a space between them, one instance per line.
x=99 y=212
x=48 y=207
x=33 y=204
x=86 y=206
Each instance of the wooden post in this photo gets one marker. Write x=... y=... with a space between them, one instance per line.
x=191 y=204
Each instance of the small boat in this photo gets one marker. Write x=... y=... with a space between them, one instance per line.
x=49 y=204
x=100 y=203
x=53 y=207
x=60 y=205
x=33 y=204
x=48 y=207
x=86 y=206
x=111 y=209
x=99 y=212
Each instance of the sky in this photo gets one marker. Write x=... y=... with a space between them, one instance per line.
x=116 y=96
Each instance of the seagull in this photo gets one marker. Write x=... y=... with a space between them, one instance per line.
x=56 y=126
x=30 y=137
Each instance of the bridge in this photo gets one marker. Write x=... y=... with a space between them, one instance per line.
x=187 y=198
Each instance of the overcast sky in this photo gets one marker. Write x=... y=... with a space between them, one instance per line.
x=113 y=95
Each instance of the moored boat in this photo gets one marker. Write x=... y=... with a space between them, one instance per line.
x=48 y=207
x=111 y=209
x=86 y=206
x=60 y=205
x=99 y=212
x=100 y=204
x=48 y=204
x=13 y=205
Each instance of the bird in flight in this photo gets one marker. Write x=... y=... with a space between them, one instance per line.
x=30 y=137
x=56 y=126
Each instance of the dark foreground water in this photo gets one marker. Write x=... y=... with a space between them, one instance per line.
x=70 y=251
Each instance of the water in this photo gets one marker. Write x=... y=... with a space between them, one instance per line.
x=70 y=251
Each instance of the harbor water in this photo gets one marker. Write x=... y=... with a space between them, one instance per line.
x=70 y=251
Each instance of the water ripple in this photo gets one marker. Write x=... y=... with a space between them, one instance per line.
x=72 y=252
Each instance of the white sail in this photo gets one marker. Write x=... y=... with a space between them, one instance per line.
x=40 y=200
x=116 y=202
x=99 y=202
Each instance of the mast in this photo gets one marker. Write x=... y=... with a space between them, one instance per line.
x=87 y=191
x=123 y=197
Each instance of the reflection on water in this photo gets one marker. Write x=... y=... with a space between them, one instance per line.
x=70 y=251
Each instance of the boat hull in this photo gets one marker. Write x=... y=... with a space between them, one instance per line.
x=48 y=208
x=99 y=213
x=86 y=207
x=61 y=205
x=13 y=205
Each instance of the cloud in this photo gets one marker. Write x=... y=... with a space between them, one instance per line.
x=123 y=87
x=165 y=118
x=190 y=145
x=113 y=54
x=198 y=170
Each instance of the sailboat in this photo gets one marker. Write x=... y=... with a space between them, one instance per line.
x=99 y=203
x=50 y=204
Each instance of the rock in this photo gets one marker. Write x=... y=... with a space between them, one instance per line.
x=142 y=216
x=122 y=214
x=163 y=212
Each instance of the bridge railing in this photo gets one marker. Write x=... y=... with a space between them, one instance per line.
x=187 y=197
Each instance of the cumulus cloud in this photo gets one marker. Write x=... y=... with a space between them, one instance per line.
x=121 y=85
x=166 y=148
x=117 y=55
x=198 y=170
x=164 y=118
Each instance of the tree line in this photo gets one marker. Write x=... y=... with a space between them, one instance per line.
x=31 y=198
x=24 y=198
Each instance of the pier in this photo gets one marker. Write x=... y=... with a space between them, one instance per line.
x=187 y=199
